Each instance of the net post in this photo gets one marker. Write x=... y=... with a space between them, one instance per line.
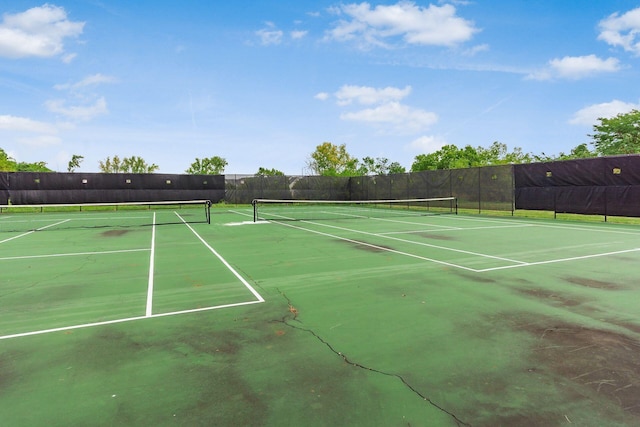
x=207 y=209
x=455 y=200
x=254 y=203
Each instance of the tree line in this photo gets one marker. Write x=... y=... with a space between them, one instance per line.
x=612 y=136
x=618 y=135
x=134 y=164
x=9 y=164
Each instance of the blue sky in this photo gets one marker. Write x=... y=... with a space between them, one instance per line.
x=263 y=83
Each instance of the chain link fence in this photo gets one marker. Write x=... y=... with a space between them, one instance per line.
x=488 y=188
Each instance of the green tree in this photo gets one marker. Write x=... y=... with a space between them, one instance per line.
x=207 y=166
x=425 y=162
x=32 y=167
x=7 y=164
x=269 y=172
x=498 y=154
x=74 y=163
x=133 y=164
x=580 y=151
x=367 y=166
x=517 y=156
x=448 y=157
x=617 y=135
x=452 y=157
x=111 y=165
x=378 y=166
x=395 y=168
x=332 y=160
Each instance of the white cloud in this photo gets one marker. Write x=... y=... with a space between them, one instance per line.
x=622 y=30
x=431 y=25
x=92 y=80
x=576 y=67
x=39 y=31
x=476 y=49
x=589 y=116
x=87 y=106
x=402 y=117
x=78 y=112
x=387 y=113
x=368 y=95
x=427 y=144
x=298 y=34
x=581 y=66
x=270 y=35
x=30 y=132
x=68 y=58
x=23 y=124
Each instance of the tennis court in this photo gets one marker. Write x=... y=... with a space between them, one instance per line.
x=157 y=317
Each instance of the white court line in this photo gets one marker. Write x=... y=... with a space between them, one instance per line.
x=76 y=217
x=419 y=243
x=382 y=248
x=599 y=228
x=393 y=250
x=519 y=265
x=152 y=257
x=17 y=237
x=456 y=229
x=226 y=264
x=248 y=213
x=552 y=261
x=602 y=229
x=233 y=224
x=149 y=315
x=128 y=319
x=444 y=227
x=72 y=254
x=33 y=231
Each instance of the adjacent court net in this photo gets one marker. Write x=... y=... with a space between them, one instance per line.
x=28 y=218
x=297 y=210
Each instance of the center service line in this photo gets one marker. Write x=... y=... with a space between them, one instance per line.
x=224 y=261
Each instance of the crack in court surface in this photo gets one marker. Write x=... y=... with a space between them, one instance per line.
x=294 y=312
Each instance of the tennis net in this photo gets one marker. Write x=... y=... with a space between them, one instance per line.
x=27 y=218
x=297 y=210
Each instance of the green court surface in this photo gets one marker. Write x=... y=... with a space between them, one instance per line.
x=445 y=320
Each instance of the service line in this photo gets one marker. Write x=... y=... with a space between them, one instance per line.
x=120 y=251
x=124 y=320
